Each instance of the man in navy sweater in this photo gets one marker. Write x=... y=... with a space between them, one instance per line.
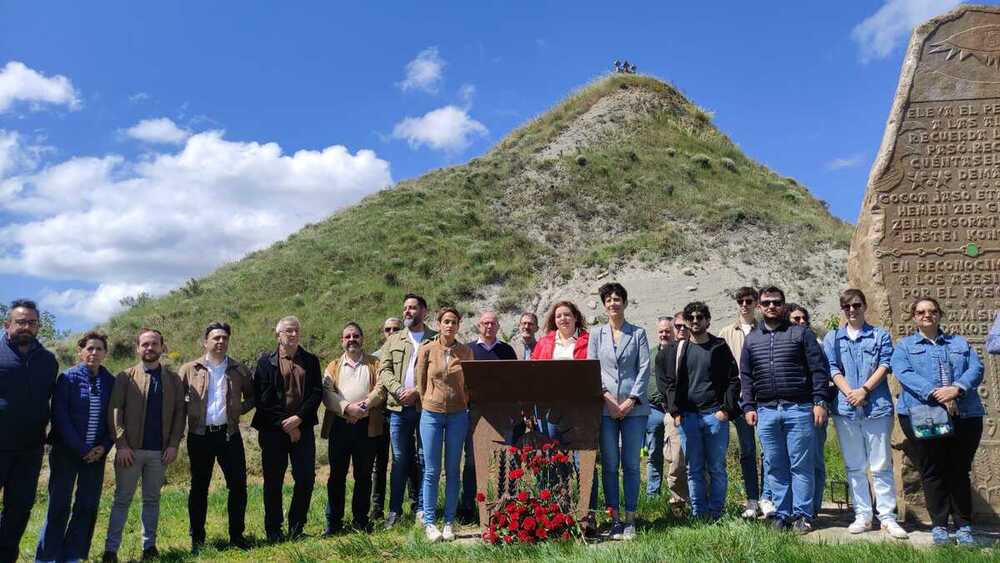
x=783 y=382
x=27 y=377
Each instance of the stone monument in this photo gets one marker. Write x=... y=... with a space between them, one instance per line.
x=930 y=219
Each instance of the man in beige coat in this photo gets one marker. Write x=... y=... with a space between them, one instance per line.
x=146 y=415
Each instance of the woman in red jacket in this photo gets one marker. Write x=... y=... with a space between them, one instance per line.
x=566 y=337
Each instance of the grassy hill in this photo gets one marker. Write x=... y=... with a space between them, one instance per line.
x=600 y=181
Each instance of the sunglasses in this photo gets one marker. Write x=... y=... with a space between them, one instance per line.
x=391 y=329
x=680 y=327
x=852 y=306
x=746 y=301
x=765 y=303
x=925 y=313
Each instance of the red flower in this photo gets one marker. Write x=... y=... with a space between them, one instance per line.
x=553 y=507
x=528 y=524
x=542 y=533
x=502 y=520
x=509 y=539
x=513 y=449
x=514 y=525
x=522 y=496
x=568 y=519
x=565 y=535
x=480 y=497
x=545 y=494
x=610 y=511
x=523 y=536
x=516 y=474
x=547 y=446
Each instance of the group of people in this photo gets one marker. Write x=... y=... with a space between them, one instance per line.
x=624 y=67
x=767 y=373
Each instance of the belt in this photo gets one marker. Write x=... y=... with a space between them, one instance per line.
x=216 y=428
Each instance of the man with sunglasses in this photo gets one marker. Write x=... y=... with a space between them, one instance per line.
x=700 y=383
x=677 y=477
x=27 y=378
x=380 y=466
x=734 y=334
x=353 y=420
x=217 y=391
x=784 y=379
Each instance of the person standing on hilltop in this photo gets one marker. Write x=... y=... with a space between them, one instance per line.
x=380 y=466
x=146 y=415
x=27 y=377
x=351 y=425
x=784 y=380
x=80 y=445
x=623 y=351
x=219 y=391
x=396 y=374
x=524 y=341
x=734 y=334
x=288 y=390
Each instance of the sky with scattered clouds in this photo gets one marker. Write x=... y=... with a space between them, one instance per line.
x=143 y=144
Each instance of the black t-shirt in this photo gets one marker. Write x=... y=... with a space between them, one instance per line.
x=698 y=361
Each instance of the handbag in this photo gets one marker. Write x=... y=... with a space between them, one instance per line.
x=930 y=421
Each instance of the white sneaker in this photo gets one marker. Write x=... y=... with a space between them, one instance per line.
x=767 y=508
x=860 y=525
x=751 y=509
x=420 y=517
x=390 y=520
x=628 y=532
x=448 y=534
x=894 y=529
x=433 y=534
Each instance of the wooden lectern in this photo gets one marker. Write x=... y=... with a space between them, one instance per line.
x=567 y=392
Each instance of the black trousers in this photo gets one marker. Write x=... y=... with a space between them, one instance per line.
x=349 y=445
x=277 y=449
x=380 y=472
x=945 y=464
x=19 y=480
x=204 y=452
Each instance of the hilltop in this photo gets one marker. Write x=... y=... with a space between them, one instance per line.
x=626 y=179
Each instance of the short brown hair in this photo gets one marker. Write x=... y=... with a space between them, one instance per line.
x=92 y=335
x=550 y=319
x=445 y=310
x=146 y=329
x=919 y=300
x=744 y=292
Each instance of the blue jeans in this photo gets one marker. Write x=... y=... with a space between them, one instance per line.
x=819 y=467
x=705 y=440
x=788 y=437
x=748 y=458
x=654 y=451
x=447 y=431
x=630 y=431
x=405 y=461
x=56 y=540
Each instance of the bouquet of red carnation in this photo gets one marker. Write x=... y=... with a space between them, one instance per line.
x=533 y=512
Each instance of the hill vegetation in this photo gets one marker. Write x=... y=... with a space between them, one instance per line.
x=621 y=172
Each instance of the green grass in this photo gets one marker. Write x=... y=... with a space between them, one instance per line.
x=442 y=235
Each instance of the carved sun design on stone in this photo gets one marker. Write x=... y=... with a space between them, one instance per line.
x=981 y=43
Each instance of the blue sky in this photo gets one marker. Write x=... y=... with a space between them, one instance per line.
x=142 y=144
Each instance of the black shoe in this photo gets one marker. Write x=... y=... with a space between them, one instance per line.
x=802 y=526
x=365 y=527
x=376 y=516
x=331 y=531
x=296 y=534
x=109 y=557
x=240 y=543
x=150 y=554
x=276 y=537
x=197 y=545
x=780 y=524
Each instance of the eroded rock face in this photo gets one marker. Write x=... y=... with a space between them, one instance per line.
x=930 y=219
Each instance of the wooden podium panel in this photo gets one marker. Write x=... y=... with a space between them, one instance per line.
x=565 y=393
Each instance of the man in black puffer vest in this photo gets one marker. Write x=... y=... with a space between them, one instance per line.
x=27 y=376
x=783 y=382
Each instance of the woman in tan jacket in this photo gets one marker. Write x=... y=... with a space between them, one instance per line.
x=444 y=421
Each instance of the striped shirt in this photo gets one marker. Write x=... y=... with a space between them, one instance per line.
x=94 y=418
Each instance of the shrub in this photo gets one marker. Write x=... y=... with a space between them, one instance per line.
x=728 y=163
x=702 y=160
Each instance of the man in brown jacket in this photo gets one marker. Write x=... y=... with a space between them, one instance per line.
x=146 y=415
x=353 y=420
x=218 y=391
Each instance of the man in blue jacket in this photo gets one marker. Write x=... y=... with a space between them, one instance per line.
x=27 y=376
x=784 y=380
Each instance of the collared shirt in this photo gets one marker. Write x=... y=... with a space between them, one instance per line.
x=489 y=346
x=526 y=350
x=152 y=435
x=921 y=364
x=415 y=337
x=215 y=414
x=856 y=359
x=564 y=348
x=293 y=377
x=353 y=382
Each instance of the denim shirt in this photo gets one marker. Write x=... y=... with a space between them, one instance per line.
x=993 y=340
x=917 y=363
x=858 y=360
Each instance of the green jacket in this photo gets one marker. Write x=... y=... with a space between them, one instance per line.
x=395 y=355
x=656 y=399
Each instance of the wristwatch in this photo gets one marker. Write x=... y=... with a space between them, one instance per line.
x=820 y=403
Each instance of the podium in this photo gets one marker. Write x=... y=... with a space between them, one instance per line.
x=565 y=393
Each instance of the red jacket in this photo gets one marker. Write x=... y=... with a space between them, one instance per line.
x=547 y=344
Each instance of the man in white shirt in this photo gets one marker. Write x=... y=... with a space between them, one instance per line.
x=218 y=391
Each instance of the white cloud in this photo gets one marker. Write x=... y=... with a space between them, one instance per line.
x=845 y=162
x=18 y=156
x=449 y=129
x=159 y=130
x=18 y=83
x=424 y=72
x=891 y=25
x=138 y=97
x=149 y=224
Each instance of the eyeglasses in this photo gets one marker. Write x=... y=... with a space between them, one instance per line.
x=765 y=303
x=798 y=320
x=925 y=313
x=391 y=329
x=351 y=337
x=852 y=306
x=26 y=322
x=680 y=327
x=746 y=301
x=696 y=317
